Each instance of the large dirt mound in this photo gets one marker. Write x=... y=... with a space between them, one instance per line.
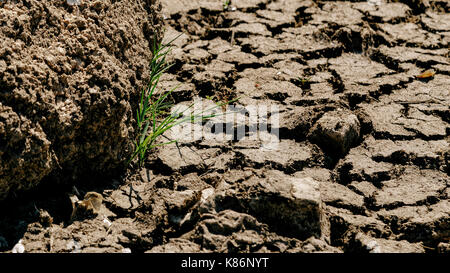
x=67 y=76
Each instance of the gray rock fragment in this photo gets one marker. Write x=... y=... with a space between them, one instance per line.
x=336 y=132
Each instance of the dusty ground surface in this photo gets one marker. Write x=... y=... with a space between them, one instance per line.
x=362 y=162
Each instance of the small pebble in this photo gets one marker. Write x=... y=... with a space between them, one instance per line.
x=374 y=2
x=206 y=193
x=126 y=250
x=74 y=2
x=107 y=223
x=92 y=91
x=373 y=247
x=18 y=248
x=371 y=244
x=74 y=246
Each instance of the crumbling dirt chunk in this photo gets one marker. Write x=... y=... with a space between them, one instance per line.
x=354 y=168
x=176 y=246
x=444 y=248
x=290 y=205
x=69 y=77
x=412 y=186
x=336 y=132
x=364 y=243
x=89 y=206
x=425 y=223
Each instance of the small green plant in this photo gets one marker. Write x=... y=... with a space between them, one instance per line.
x=226 y=4
x=303 y=81
x=153 y=117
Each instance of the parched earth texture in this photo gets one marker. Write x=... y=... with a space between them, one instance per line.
x=362 y=159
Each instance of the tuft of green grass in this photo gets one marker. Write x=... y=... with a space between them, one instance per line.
x=303 y=81
x=226 y=4
x=153 y=117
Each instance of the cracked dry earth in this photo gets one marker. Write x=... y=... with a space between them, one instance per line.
x=362 y=159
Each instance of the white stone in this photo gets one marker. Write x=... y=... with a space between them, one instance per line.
x=126 y=250
x=74 y=246
x=107 y=223
x=206 y=193
x=18 y=248
x=74 y=2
